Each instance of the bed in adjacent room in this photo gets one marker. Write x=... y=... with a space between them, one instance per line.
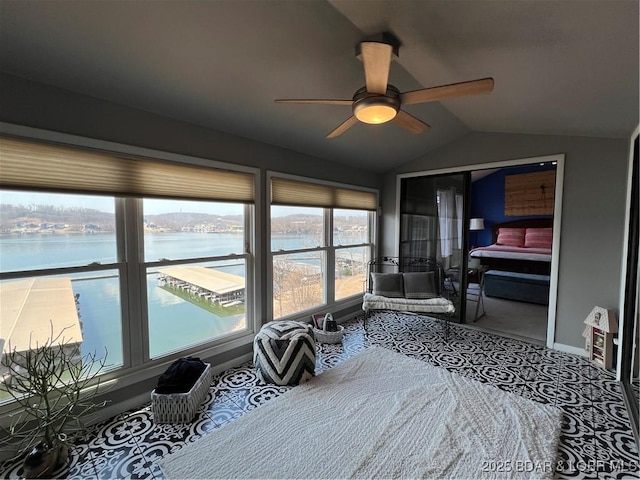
x=522 y=246
x=518 y=262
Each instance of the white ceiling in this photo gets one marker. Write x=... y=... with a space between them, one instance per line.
x=560 y=67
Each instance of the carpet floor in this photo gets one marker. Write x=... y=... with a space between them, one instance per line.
x=520 y=319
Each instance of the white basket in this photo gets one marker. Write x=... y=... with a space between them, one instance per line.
x=181 y=407
x=329 y=337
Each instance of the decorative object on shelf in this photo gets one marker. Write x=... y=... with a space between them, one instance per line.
x=330 y=332
x=601 y=327
x=53 y=386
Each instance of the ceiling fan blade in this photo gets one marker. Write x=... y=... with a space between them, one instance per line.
x=321 y=102
x=409 y=122
x=445 y=92
x=343 y=127
x=376 y=58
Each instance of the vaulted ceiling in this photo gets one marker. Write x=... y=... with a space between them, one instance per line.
x=560 y=67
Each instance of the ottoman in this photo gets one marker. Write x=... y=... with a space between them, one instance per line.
x=523 y=287
x=284 y=352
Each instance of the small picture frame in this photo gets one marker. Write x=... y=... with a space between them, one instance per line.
x=317 y=320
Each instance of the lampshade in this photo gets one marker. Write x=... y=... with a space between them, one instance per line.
x=476 y=224
x=603 y=319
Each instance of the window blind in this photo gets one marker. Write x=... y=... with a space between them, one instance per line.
x=27 y=164
x=286 y=191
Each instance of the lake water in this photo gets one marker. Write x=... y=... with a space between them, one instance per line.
x=173 y=322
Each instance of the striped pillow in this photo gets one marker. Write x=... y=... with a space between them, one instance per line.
x=512 y=237
x=538 y=237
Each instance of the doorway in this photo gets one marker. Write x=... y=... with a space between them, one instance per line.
x=510 y=238
x=466 y=309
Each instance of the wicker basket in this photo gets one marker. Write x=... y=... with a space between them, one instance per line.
x=329 y=337
x=181 y=407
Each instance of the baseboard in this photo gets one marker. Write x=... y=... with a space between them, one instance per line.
x=581 y=352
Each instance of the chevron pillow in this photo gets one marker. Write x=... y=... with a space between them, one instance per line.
x=284 y=352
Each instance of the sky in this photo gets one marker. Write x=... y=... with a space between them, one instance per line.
x=106 y=204
x=151 y=206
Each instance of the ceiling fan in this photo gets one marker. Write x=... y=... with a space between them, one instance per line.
x=380 y=102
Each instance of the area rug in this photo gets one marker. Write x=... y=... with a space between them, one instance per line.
x=380 y=414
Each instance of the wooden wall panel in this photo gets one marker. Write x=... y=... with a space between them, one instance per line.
x=529 y=193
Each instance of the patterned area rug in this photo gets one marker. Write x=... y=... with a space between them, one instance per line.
x=381 y=414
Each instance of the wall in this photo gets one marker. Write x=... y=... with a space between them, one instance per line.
x=487 y=201
x=593 y=212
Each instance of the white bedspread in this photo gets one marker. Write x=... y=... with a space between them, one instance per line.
x=513 y=253
x=380 y=415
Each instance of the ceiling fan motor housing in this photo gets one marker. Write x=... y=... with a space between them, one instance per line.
x=376 y=108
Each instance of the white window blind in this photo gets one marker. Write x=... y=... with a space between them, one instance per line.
x=286 y=191
x=26 y=164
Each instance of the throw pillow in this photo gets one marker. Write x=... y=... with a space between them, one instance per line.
x=420 y=285
x=512 y=237
x=387 y=284
x=538 y=238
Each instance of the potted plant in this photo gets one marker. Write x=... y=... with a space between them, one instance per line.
x=53 y=386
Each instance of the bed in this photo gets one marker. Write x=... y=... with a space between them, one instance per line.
x=381 y=414
x=522 y=246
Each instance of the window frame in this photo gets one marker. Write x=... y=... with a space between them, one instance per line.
x=329 y=249
x=145 y=264
x=136 y=365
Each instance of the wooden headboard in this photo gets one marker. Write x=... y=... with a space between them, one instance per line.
x=525 y=223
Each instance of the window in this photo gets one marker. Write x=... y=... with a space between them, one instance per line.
x=352 y=242
x=197 y=301
x=319 y=252
x=140 y=257
x=60 y=273
x=297 y=242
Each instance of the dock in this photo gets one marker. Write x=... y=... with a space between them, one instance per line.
x=221 y=287
x=31 y=308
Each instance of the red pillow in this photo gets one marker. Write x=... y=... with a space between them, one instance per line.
x=512 y=237
x=538 y=237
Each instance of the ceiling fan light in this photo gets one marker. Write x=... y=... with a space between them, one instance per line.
x=375 y=110
x=376 y=114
